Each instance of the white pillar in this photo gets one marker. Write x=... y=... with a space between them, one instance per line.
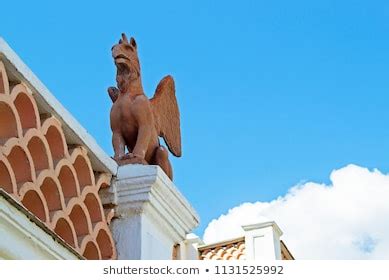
x=151 y=215
x=189 y=247
x=263 y=241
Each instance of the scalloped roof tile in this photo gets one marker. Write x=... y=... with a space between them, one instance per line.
x=53 y=181
x=234 y=249
x=227 y=250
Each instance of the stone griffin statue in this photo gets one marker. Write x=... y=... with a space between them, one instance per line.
x=137 y=121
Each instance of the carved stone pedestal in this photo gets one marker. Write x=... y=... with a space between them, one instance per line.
x=152 y=217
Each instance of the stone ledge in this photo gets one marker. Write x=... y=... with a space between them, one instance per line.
x=26 y=237
x=139 y=186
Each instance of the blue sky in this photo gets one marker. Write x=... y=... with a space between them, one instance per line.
x=271 y=93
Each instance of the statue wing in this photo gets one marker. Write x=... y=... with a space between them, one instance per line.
x=167 y=115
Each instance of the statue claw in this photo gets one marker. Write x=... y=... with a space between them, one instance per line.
x=130 y=158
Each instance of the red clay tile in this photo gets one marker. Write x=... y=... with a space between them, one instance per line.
x=57 y=185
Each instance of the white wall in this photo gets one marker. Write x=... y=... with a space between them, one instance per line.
x=23 y=239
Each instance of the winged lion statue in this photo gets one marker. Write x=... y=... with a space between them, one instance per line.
x=136 y=121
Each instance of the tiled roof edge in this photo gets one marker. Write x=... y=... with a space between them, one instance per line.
x=283 y=247
x=38 y=222
x=221 y=243
x=73 y=129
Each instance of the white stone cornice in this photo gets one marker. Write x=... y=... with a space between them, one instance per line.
x=136 y=185
x=151 y=215
x=23 y=236
x=272 y=224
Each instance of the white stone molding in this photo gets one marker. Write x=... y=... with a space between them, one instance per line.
x=189 y=247
x=151 y=215
x=24 y=237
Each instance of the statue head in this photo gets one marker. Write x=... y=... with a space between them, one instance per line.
x=126 y=60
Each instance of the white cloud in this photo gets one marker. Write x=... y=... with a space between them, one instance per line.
x=348 y=219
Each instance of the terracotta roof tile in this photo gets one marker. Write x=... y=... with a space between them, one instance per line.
x=227 y=250
x=285 y=253
x=234 y=249
x=54 y=182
